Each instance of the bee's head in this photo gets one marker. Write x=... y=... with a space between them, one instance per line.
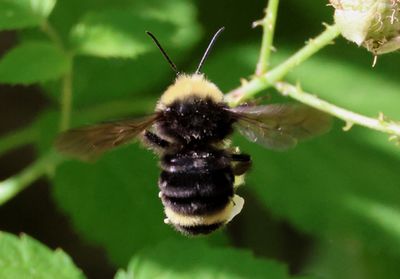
x=187 y=85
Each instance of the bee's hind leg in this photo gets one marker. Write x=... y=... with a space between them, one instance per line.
x=154 y=141
x=241 y=163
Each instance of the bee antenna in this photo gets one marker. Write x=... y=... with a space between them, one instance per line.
x=207 y=52
x=173 y=66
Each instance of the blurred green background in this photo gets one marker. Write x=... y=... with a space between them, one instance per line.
x=329 y=208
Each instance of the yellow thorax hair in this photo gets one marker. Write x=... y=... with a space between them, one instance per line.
x=185 y=86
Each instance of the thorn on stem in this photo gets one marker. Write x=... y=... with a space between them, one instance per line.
x=298 y=87
x=282 y=88
x=395 y=139
x=348 y=126
x=257 y=23
x=375 y=60
x=243 y=81
x=382 y=118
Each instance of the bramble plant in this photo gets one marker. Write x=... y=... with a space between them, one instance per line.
x=96 y=62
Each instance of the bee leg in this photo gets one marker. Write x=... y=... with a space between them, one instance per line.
x=155 y=141
x=242 y=163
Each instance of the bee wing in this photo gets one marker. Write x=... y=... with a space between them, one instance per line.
x=280 y=126
x=89 y=142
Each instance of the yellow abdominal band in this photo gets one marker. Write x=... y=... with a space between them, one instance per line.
x=224 y=216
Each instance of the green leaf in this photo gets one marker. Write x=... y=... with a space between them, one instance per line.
x=321 y=192
x=117 y=33
x=182 y=14
x=100 y=80
x=16 y=14
x=348 y=258
x=193 y=259
x=121 y=32
x=25 y=257
x=33 y=62
x=114 y=202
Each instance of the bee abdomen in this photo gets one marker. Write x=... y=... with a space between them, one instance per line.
x=196 y=190
x=197 y=185
x=196 y=193
x=195 y=161
x=203 y=223
x=195 y=206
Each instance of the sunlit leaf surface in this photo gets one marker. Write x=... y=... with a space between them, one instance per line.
x=24 y=257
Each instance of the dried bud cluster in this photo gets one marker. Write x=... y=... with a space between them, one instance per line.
x=374 y=24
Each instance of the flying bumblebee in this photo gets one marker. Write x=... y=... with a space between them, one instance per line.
x=188 y=130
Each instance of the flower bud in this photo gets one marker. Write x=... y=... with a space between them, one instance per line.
x=374 y=24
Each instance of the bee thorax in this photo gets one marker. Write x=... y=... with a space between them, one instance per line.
x=195 y=121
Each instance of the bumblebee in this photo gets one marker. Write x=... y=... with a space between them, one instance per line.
x=188 y=130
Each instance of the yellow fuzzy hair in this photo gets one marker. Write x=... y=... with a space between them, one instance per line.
x=239 y=180
x=224 y=216
x=188 y=86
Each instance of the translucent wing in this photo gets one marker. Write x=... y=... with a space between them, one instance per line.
x=280 y=126
x=91 y=141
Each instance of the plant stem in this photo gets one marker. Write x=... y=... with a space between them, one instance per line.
x=268 y=25
x=66 y=90
x=13 y=185
x=259 y=83
x=349 y=117
x=17 y=138
x=53 y=35
x=66 y=100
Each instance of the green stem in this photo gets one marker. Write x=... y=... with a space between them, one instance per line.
x=268 y=25
x=260 y=83
x=66 y=100
x=17 y=138
x=349 y=117
x=13 y=185
x=66 y=91
x=53 y=35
